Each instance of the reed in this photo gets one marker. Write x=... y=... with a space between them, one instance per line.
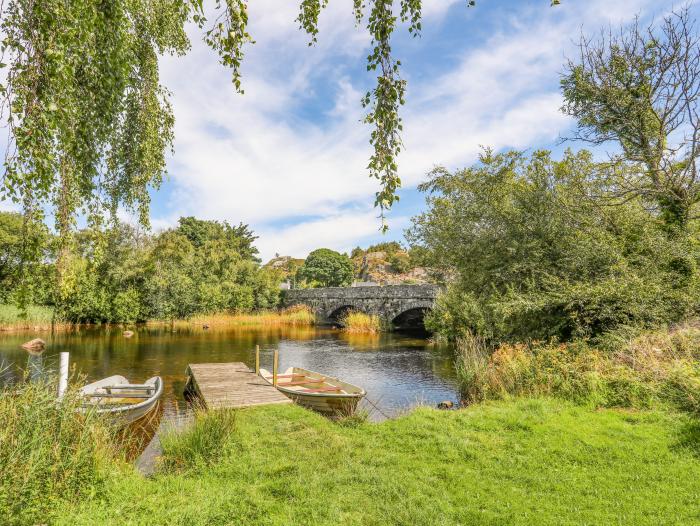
x=294 y=316
x=360 y=323
x=49 y=453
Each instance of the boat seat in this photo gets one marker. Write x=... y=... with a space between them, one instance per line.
x=120 y=395
x=321 y=390
x=142 y=387
x=304 y=382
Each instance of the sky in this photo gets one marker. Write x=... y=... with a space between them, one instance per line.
x=289 y=156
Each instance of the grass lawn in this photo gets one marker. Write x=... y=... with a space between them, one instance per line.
x=528 y=461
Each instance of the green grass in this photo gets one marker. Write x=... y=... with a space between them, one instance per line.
x=526 y=461
x=37 y=317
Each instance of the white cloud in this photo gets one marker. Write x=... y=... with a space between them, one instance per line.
x=293 y=146
x=339 y=231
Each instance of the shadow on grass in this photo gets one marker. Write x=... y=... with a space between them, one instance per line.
x=688 y=439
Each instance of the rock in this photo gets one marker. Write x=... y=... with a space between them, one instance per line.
x=205 y=326
x=128 y=334
x=37 y=345
x=446 y=404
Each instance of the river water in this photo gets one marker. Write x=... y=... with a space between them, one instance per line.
x=397 y=371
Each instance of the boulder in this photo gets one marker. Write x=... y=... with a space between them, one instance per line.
x=446 y=404
x=205 y=326
x=37 y=345
x=128 y=334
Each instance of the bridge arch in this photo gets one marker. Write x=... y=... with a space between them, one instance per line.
x=410 y=315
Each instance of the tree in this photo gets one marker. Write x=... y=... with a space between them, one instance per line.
x=326 y=268
x=640 y=88
x=239 y=238
x=22 y=240
x=530 y=255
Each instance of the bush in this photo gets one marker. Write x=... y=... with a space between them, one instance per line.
x=653 y=369
x=48 y=452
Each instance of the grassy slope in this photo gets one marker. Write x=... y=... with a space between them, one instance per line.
x=517 y=462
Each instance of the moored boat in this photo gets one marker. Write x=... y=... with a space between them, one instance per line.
x=317 y=391
x=124 y=401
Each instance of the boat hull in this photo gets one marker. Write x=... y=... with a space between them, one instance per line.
x=331 y=403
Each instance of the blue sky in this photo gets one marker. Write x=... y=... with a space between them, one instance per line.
x=289 y=156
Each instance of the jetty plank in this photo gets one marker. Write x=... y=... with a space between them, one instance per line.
x=231 y=385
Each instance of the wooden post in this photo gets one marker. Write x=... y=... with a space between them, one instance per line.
x=275 y=360
x=63 y=374
x=257 y=360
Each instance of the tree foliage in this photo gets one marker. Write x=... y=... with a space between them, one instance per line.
x=531 y=255
x=90 y=122
x=126 y=276
x=326 y=268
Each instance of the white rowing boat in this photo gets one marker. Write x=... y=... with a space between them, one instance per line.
x=117 y=397
x=317 y=391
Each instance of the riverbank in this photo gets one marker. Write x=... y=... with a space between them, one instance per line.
x=39 y=318
x=294 y=316
x=634 y=370
x=515 y=462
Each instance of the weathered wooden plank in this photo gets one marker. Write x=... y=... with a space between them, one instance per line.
x=231 y=385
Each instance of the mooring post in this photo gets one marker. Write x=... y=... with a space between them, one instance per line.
x=275 y=361
x=63 y=374
x=257 y=360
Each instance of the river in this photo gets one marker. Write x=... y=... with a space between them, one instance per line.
x=398 y=371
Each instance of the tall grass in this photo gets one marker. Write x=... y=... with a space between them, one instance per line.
x=198 y=445
x=359 y=322
x=658 y=369
x=37 y=318
x=49 y=452
x=294 y=316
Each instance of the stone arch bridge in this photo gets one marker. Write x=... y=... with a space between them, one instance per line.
x=401 y=306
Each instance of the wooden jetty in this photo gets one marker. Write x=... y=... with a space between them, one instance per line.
x=231 y=385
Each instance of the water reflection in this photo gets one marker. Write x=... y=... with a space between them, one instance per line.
x=397 y=371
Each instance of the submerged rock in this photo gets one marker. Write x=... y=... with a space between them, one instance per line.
x=205 y=326
x=446 y=404
x=128 y=334
x=35 y=345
